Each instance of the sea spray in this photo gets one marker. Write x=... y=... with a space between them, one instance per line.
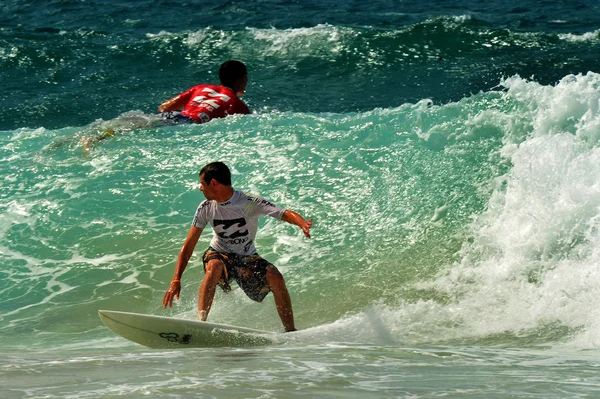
x=532 y=259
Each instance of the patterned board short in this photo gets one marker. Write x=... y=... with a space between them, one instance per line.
x=174 y=118
x=248 y=271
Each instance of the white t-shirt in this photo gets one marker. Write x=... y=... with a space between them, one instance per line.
x=235 y=221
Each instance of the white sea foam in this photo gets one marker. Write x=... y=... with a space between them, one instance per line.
x=589 y=36
x=161 y=34
x=534 y=257
x=301 y=42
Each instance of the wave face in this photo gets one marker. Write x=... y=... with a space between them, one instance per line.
x=472 y=220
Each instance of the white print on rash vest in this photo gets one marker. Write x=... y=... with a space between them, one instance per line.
x=235 y=221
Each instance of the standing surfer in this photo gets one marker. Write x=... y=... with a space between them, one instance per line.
x=232 y=255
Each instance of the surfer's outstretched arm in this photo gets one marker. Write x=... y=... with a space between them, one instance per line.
x=182 y=260
x=293 y=217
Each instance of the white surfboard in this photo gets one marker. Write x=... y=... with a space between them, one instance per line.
x=169 y=332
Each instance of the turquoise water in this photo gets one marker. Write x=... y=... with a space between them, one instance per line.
x=448 y=156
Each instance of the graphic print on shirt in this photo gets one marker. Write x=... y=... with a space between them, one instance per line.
x=232 y=231
x=235 y=222
x=227 y=224
x=209 y=103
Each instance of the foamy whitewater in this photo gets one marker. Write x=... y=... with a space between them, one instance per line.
x=449 y=158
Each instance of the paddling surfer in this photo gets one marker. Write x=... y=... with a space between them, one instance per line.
x=232 y=255
x=199 y=104
x=204 y=102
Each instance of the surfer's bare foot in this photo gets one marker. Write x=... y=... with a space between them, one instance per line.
x=202 y=315
x=292 y=330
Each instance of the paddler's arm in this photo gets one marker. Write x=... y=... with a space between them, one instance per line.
x=174 y=104
x=295 y=218
x=182 y=260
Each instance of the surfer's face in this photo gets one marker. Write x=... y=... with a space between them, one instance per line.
x=206 y=188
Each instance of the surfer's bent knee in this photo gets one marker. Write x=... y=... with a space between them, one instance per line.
x=214 y=266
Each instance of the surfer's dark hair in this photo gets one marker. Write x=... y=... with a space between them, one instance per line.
x=218 y=171
x=231 y=71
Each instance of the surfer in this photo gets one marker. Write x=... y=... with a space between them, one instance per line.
x=204 y=102
x=232 y=255
x=198 y=104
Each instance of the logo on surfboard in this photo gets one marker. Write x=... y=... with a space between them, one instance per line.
x=174 y=337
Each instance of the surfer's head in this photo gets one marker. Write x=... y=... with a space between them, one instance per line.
x=233 y=74
x=215 y=182
x=217 y=171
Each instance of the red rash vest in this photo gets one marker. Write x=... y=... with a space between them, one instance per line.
x=205 y=102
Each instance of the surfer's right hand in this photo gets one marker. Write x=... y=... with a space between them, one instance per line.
x=172 y=292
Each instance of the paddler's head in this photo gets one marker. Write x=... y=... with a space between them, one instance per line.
x=233 y=74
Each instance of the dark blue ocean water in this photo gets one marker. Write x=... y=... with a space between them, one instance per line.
x=448 y=152
x=67 y=63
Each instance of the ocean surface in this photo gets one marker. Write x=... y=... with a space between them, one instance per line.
x=447 y=151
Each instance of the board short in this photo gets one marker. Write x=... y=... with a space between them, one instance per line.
x=174 y=118
x=249 y=271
